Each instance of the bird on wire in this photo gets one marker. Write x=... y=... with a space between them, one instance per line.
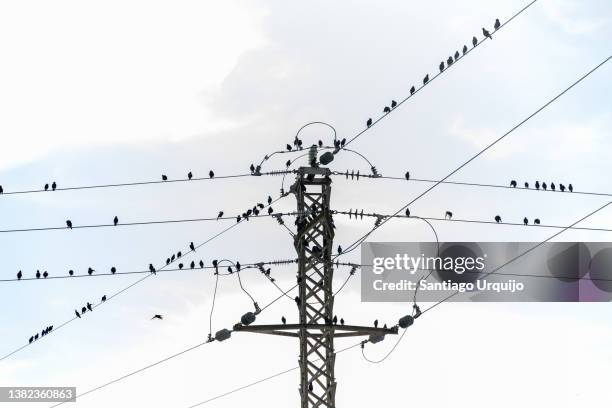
x=158 y=317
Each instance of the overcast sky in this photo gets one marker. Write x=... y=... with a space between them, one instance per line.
x=119 y=91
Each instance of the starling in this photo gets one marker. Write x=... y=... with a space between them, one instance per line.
x=191 y=246
x=497 y=24
x=37 y=274
x=152 y=269
x=192 y=264
x=46 y=187
x=164 y=177
x=426 y=79
x=113 y=270
x=90 y=270
x=53 y=186
x=376 y=323
x=525 y=221
x=115 y=220
x=474 y=41
x=45 y=274
x=201 y=264
x=412 y=90
x=536 y=221
x=211 y=174
x=513 y=183
x=71 y=272
x=89 y=307
x=369 y=122
x=69 y=224
x=407 y=212
x=19 y=275
x=269 y=200
x=189 y=175
x=498 y=219
x=465 y=49
x=220 y=215
x=283 y=320
x=486 y=33
x=386 y=109
x=103 y=298
x=441 y=66
x=570 y=188
x=393 y=104
x=407 y=175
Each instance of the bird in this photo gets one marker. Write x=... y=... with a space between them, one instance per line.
x=179 y=254
x=1 y=190
x=269 y=200
x=386 y=109
x=297 y=300
x=376 y=323
x=448 y=214
x=190 y=175
x=570 y=188
x=486 y=33
x=19 y=275
x=53 y=186
x=115 y=221
x=465 y=49
x=104 y=298
x=192 y=246
x=449 y=61
x=426 y=79
x=544 y=185
x=152 y=269
x=288 y=163
x=289 y=148
x=157 y=316
x=164 y=177
x=180 y=266
x=46 y=187
x=37 y=274
x=412 y=90
x=113 y=270
x=393 y=104
x=339 y=249
x=498 y=218
x=83 y=310
x=537 y=185
x=31 y=339
x=407 y=175
x=320 y=143
x=36 y=336
x=441 y=66
x=69 y=224
x=526 y=185
x=474 y=41
x=71 y=272
x=407 y=212
x=90 y=270
x=513 y=183
x=335 y=320
x=525 y=221
x=561 y=187
x=192 y=264
x=219 y=215
x=369 y=122
x=456 y=55
x=536 y=221
x=201 y=264
x=342 y=322
x=310 y=386
x=270 y=210
x=283 y=320
x=552 y=186
x=497 y=24
x=89 y=307
x=211 y=174
x=45 y=274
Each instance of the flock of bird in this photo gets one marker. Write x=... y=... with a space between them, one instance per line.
x=255 y=211
x=450 y=61
x=44 y=332
x=211 y=174
x=545 y=186
x=45 y=274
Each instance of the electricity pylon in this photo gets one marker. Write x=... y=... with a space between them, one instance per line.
x=317 y=327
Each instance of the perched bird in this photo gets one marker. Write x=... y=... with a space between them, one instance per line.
x=552 y=186
x=283 y=320
x=1 y=190
x=474 y=41
x=335 y=320
x=192 y=246
x=164 y=177
x=448 y=214
x=192 y=264
x=536 y=221
x=407 y=175
x=113 y=270
x=310 y=386
x=83 y=310
x=89 y=307
x=393 y=104
x=53 y=186
x=90 y=270
x=31 y=339
x=526 y=185
x=69 y=224
x=407 y=212
x=412 y=90
x=269 y=200
x=201 y=264
x=288 y=163
x=465 y=49
x=211 y=174
x=19 y=275
x=37 y=274
x=320 y=143
x=525 y=221
x=190 y=175
x=36 y=336
x=289 y=148
x=456 y=55
x=386 y=109
x=297 y=300
x=158 y=317
x=497 y=24
x=544 y=185
x=376 y=323
x=45 y=274
x=270 y=210
x=339 y=249
x=369 y=122
x=180 y=266
x=486 y=33
x=115 y=221
x=449 y=61
x=441 y=66
x=498 y=218
x=537 y=185
x=220 y=215
x=570 y=188
x=71 y=272
x=46 y=187
x=561 y=187
x=152 y=269
x=426 y=79
x=104 y=298
x=342 y=322
x=179 y=254
x=513 y=183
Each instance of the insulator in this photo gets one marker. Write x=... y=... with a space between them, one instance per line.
x=375 y=172
x=223 y=334
x=247 y=318
x=326 y=158
x=312 y=156
x=376 y=338
x=406 y=321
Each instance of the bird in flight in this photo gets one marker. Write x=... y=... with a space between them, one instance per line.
x=157 y=316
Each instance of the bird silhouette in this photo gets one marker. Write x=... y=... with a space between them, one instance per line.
x=456 y=55
x=552 y=186
x=83 y=310
x=310 y=386
x=288 y=163
x=386 y=109
x=525 y=221
x=526 y=185
x=283 y=320
x=53 y=186
x=31 y=339
x=180 y=265
x=115 y=221
x=45 y=274
x=201 y=264
x=369 y=122
x=71 y=272
x=562 y=187
x=289 y=148
x=412 y=90
x=103 y=298
x=219 y=215
x=426 y=79
x=297 y=300
x=192 y=246
x=211 y=174
x=342 y=322
x=164 y=177
x=339 y=249
x=376 y=323
x=441 y=66
x=190 y=175
x=393 y=104
x=498 y=219
x=448 y=214
x=113 y=270
x=36 y=336
x=179 y=254
x=465 y=49
x=90 y=270
x=37 y=274
x=570 y=188
x=407 y=175
x=192 y=264
x=335 y=320
x=513 y=183
x=46 y=187
x=19 y=275
x=1 y=190
x=536 y=221
x=497 y=24
x=89 y=307
x=270 y=210
x=474 y=41
x=152 y=269
x=449 y=61
x=407 y=212
x=486 y=33
x=69 y=224
x=158 y=317
x=537 y=185
x=544 y=185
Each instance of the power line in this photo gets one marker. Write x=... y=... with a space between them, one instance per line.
x=436 y=75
